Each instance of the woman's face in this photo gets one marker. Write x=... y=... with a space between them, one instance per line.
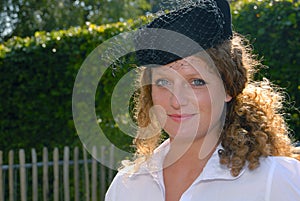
x=188 y=98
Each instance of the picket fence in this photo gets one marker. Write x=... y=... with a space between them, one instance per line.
x=80 y=177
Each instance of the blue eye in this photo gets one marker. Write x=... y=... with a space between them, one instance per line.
x=198 y=82
x=162 y=82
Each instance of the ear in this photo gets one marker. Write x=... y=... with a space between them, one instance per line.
x=228 y=98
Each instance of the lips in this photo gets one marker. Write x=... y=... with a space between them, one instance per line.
x=180 y=117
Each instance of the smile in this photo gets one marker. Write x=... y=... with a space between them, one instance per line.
x=180 y=117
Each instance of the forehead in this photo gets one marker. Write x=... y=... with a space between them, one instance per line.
x=189 y=65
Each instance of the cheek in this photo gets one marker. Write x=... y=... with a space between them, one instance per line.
x=210 y=105
x=155 y=97
x=160 y=104
x=203 y=101
x=156 y=100
x=159 y=97
x=218 y=106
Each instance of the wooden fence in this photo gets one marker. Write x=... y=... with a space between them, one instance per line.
x=66 y=178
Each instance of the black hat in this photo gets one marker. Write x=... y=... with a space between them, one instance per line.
x=206 y=22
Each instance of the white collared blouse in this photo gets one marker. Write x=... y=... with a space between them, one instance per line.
x=276 y=179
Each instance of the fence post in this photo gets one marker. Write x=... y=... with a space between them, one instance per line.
x=102 y=174
x=1 y=177
x=56 y=174
x=111 y=163
x=11 y=174
x=94 y=188
x=34 y=175
x=94 y=174
x=86 y=176
x=76 y=174
x=45 y=175
x=22 y=175
x=66 y=174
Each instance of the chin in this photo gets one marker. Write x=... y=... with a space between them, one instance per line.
x=187 y=136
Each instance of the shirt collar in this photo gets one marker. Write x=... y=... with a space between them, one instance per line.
x=213 y=170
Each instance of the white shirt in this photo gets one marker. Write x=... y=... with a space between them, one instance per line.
x=276 y=179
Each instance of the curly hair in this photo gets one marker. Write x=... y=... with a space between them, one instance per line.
x=254 y=126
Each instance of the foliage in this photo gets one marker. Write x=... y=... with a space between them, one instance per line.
x=23 y=18
x=273 y=28
x=37 y=77
x=38 y=73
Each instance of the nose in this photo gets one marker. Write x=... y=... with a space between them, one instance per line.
x=178 y=97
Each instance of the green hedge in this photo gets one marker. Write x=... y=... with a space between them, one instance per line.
x=38 y=73
x=37 y=78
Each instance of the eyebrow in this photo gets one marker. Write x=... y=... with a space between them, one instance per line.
x=165 y=73
x=193 y=75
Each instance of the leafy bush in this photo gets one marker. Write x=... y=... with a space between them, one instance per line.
x=37 y=78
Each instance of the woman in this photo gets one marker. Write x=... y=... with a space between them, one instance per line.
x=227 y=139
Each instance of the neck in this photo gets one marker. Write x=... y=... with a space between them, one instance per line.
x=183 y=150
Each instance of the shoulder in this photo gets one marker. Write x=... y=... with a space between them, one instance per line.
x=284 y=178
x=284 y=165
x=280 y=167
x=128 y=185
x=116 y=185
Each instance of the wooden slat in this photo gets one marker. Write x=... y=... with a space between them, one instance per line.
x=111 y=163
x=11 y=175
x=22 y=175
x=76 y=174
x=102 y=174
x=94 y=188
x=66 y=174
x=56 y=174
x=94 y=175
x=45 y=175
x=34 y=175
x=86 y=176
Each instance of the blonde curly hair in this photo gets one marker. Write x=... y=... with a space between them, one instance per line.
x=254 y=125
